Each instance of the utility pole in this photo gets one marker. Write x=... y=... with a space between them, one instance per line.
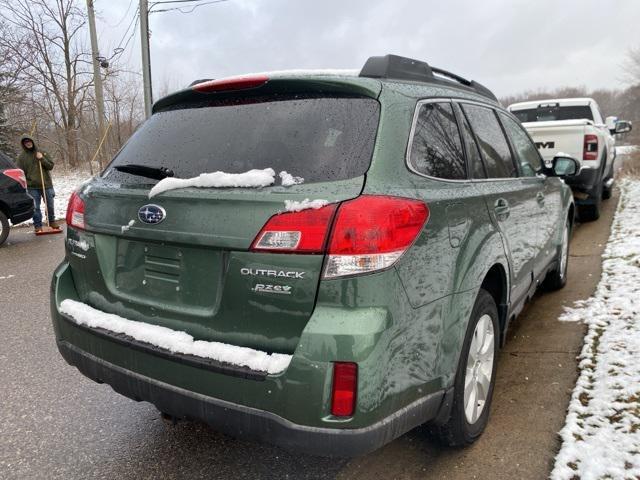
x=97 y=77
x=146 y=60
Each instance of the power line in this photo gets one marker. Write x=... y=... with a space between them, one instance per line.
x=183 y=9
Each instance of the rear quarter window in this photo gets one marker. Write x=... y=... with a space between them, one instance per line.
x=436 y=148
x=317 y=138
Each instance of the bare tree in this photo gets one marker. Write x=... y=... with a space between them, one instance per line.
x=46 y=38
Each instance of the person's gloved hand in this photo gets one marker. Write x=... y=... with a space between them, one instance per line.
x=39 y=156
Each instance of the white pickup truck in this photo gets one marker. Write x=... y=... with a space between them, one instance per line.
x=575 y=126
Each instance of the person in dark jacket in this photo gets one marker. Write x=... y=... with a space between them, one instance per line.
x=37 y=166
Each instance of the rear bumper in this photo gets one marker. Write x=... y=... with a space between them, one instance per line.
x=246 y=422
x=289 y=409
x=22 y=211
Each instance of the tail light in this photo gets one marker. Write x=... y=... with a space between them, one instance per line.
x=590 y=151
x=369 y=233
x=343 y=389
x=296 y=232
x=75 y=211
x=234 y=83
x=372 y=232
x=17 y=175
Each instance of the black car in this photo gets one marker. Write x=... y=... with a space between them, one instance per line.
x=15 y=203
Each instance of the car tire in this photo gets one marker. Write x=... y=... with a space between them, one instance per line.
x=607 y=192
x=4 y=228
x=556 y=279
x=476 y=370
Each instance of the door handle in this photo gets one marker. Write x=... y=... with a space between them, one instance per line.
x=540 y=198
x=502 y=209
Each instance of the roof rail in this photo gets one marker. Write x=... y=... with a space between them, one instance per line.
x=403 y=68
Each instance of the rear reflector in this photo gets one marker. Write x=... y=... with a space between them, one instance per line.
x=225 y=84
x=17 y=175
x=75 y=211
x=590 y=151
x=343 y=389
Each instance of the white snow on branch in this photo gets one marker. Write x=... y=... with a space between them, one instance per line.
x=293 y=206
x=251 y=179
x=601 y=436
x=175 y=341
x=7 y=277
x=289 y=180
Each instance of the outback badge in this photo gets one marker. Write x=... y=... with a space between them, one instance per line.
x=151 y=214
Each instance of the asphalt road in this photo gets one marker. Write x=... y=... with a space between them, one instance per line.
x=55 y=423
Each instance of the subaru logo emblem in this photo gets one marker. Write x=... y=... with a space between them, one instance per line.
x=151 y=214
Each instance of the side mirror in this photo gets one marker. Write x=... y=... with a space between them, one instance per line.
x=623 y=127
x=610 y=122
x=564 y=166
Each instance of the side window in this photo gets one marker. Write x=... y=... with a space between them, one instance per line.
x=493 y=144
x=436 y=149
x=526 y=152
x=474 y=160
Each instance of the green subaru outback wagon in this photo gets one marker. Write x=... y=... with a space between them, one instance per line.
x=320 y=260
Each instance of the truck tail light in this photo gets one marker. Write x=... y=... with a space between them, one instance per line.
x=17 y=175
x=369 y=233
x=343 y=389
x=590 y=151
x=75 y=211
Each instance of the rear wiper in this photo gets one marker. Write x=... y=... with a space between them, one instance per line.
x=157 y=173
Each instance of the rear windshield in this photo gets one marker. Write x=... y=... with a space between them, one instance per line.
x=549 y=113
x=6 y=162
x=317 y=138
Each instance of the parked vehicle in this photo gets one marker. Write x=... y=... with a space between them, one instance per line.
x=331 y=314
x=15 y=203
x=576 y=126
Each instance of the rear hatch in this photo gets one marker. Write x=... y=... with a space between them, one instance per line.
x=195 y=270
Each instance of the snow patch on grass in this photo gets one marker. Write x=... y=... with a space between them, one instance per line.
x=293 y=206
x=601 y=436
x=175 y=341
x=626 y=149
x=252 y=179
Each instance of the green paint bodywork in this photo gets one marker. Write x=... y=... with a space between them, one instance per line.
x=403 y=326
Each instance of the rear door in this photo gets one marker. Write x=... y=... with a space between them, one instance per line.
x=511 y=200
x=194 y=271
x=547 y=194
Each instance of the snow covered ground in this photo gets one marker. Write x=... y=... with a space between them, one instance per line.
x=64 y=183
x=601 y=437
x=626 y=149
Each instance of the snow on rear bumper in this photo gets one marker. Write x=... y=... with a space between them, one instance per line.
x=171 y=342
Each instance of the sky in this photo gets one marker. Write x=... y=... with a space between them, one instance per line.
x=508 y=45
